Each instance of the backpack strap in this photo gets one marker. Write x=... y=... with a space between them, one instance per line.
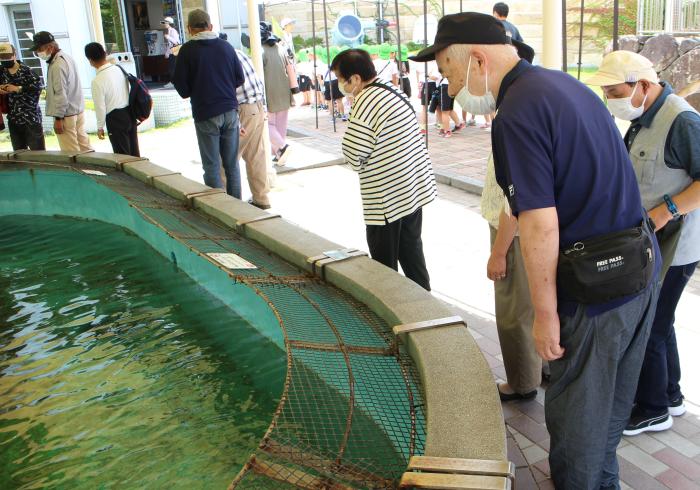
x=392 y=90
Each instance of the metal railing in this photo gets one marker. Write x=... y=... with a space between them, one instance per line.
x=671 y=16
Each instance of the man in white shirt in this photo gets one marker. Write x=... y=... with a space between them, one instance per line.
x=110 y=94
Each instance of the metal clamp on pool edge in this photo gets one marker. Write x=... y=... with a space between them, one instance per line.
x=330 y=257
x=241 y=223
x=428 y=324
x=458 y=473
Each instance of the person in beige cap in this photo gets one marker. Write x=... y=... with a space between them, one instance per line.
x=664 y=144
x=172 y=41
x=22 y=87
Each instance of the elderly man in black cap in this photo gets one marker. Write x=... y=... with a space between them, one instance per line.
x=590 y=256
x=64 y=94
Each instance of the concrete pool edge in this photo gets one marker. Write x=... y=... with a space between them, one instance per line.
x=464 y=418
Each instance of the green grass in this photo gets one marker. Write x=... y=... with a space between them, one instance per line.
x=52 y=141
x=586 y=72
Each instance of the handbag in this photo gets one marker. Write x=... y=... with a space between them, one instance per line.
x=607 y=267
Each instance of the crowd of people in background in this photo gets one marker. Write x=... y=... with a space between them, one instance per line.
x=557 y=181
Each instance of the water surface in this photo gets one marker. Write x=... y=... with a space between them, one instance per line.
x=117 y=370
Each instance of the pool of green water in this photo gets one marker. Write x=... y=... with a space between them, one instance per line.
x=117 y=370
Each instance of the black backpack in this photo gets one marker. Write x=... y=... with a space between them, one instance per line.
x=140 y=100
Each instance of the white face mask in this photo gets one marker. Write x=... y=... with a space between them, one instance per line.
x=343 y=90
x=44 y=55
x=623 y=108
x=476 y=104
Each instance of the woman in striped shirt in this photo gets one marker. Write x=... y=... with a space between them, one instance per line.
x=384 y=145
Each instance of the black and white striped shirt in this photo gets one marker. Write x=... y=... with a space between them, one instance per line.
x=384 y=145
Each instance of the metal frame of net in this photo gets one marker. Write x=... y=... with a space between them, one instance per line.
x=351 y=413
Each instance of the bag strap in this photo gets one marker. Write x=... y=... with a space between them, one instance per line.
x=397 y=94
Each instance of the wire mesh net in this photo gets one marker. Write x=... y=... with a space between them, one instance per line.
x=351 y=413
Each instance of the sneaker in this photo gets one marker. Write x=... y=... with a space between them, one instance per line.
x=423 y=131
x=282 y=156
x=169 y=85
x=640 y=422
x=344 y=117
x=458 y=127
x=471 y=122
x=677 y=407
x=446 y=134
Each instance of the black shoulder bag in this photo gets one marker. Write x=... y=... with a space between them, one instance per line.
x=608 y=266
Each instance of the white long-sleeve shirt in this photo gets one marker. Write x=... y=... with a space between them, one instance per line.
x=110 y=91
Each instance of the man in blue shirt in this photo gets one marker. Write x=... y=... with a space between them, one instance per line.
x=500 y=11
x=562 y=164
x=664 y=144
x=208 y=72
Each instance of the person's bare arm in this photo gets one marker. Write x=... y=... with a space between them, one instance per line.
x=496 y=267
x=686 y=201
x=539 y=242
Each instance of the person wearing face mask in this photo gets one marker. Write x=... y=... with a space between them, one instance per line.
x=209 y=72
x=664 y=143
x=383 y=144
x=591 y=259
x=64 y=94
x=23 y=88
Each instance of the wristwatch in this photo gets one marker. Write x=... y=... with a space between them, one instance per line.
x=672 y=208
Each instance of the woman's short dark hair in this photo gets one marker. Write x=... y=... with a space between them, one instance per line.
x=354 y=62
x=95 y=52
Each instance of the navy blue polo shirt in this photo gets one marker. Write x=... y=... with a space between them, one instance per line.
x=556 y=145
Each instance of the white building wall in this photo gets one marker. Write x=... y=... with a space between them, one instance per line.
x=67 y=20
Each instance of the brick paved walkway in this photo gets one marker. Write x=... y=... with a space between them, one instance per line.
x=459 y=161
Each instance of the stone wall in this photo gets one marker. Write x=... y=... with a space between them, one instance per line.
x=676 y=60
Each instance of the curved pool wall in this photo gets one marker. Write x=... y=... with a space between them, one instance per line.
x=464 y=418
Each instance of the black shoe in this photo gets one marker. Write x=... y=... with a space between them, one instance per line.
x=258 y=205
x=508 y=397
x=643 y=422
x=677 y=408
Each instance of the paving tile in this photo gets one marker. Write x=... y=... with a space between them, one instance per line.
x=522 y=441
x=645 y=442
x=524 y=479
x=678 y=462
x=488 y=345
x=543 y=466
x=635 y=478
x=534 y=454
x=544 y=444
x=533 y=410
x=685 y=427
x=491 y=360
x=642 y=460
x=676 y=481
x=529 y=428
x=538 y=475
x=515 y=455
x=546 y=485
x=677 y=442
x=510 y=410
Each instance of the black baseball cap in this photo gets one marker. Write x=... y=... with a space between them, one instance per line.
x=471 y=28
x=41 y=38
